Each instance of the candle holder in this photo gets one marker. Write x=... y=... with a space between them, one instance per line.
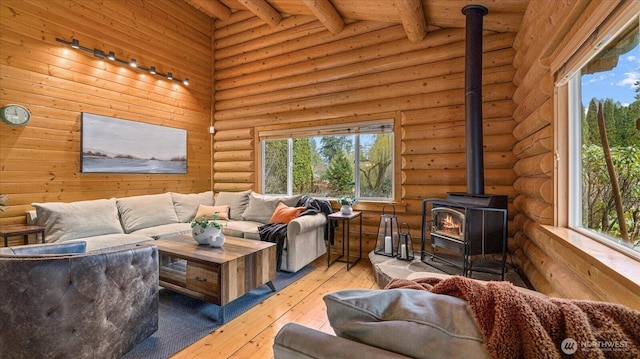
x=387 y=239
x=405 y=245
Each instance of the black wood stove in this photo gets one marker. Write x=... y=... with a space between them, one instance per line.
x=470 y=223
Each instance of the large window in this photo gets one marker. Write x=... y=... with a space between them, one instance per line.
x=330 y=162
x=604 y=98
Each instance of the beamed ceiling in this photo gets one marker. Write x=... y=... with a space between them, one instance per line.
x=416 y=16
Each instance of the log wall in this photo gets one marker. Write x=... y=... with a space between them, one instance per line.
x=298 y=74
x=40 y=161
x=550 y=264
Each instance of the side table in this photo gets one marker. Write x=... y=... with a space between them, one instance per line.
x=346 y=236
x=14 y=230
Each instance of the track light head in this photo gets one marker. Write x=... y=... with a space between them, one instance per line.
x=169 y=75
x=133 y=63
x=111 y=56
x=75 y=43
x=186 y=81
x=152 y=70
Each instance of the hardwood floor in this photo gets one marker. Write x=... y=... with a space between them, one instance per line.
x=251 y=334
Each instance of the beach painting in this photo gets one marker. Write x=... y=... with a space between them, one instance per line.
x=121 y=146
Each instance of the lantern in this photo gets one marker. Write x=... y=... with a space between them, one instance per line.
x=387 y=240
x=405 y=246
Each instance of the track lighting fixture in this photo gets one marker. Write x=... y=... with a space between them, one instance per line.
x=75 y=43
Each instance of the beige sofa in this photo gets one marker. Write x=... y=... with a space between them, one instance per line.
x=115 y=223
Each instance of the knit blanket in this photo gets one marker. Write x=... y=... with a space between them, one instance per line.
x=515 y=324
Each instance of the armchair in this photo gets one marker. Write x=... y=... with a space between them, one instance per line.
x=60 y=302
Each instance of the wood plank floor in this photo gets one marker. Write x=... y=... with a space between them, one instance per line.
x=251 y=334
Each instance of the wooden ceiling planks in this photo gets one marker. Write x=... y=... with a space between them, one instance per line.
x=414 y=15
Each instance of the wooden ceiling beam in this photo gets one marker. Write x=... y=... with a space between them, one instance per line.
x=327 y=14
x=213 y=8
x=413 y=19
x=263 y=10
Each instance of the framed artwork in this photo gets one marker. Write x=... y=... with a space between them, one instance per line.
x=121 y=146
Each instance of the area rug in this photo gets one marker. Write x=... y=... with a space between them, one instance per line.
x=184 y=320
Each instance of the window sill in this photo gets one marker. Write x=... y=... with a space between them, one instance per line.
x=616 y=265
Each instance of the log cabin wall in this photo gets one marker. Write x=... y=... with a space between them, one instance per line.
x=552 y=266
x=40 y=162
x=299 y=74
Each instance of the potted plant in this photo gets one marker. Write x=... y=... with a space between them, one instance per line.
x=3 y=201
x=207 y=231
x=347 y=201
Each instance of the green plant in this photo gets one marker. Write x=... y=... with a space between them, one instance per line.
x=204 y=222
x=347 y=200
x=3 y=201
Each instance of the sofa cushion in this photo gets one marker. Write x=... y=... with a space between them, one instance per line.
x=237 y=202
x=112 y=242
x=261 y=207
x=139 y=212
x=67 y=221
x=415 y=323
x=186 y=205
x=239 y=228
x=285 y=214
x=165 y=230
x=209 y=211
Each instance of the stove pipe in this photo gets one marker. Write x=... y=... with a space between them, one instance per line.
x=473 y=97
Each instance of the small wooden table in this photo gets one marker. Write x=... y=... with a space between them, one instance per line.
x=215 y=275
x=14 y=230
x=346 y=230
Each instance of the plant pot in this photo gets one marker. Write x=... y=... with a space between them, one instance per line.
x=346 y=209
x=208 y=236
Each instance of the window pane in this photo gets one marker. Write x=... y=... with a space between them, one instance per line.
x=325 y=165
x=611 y=80
x=337 y=153
x=275 y=166
x=376 y=170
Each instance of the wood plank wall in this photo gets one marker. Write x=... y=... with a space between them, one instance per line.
x=299 y=74
x=553 y=269
x=40 y=161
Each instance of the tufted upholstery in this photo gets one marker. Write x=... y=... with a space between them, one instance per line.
x=59 y=304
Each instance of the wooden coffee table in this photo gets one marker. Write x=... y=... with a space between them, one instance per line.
x=215 y=275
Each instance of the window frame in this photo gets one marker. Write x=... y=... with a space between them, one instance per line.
x=304 y=130
x=567 y=135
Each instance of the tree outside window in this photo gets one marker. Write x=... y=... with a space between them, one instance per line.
x=610 y=148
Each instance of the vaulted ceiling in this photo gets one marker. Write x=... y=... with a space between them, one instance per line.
x=416 y=16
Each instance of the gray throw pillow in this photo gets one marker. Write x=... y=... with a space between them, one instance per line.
x=261 y=207
x=138 y=212
x=237 y=202
x=186 y=205
x=411 y=322
x=66 y=221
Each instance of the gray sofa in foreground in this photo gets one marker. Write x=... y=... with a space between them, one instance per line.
x=116 y=223
x=60 y=302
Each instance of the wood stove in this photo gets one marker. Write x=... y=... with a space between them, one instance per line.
x=469 y=223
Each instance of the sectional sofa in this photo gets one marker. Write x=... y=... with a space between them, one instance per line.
x=115 y=223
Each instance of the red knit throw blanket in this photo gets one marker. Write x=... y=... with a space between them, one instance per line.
x=521 y=325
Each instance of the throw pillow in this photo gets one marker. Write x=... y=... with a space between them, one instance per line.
x=414 y=323
x=146 y=211
x=186 y=205
x=261 y=207
x=66 y=221
x=284 y=213
x=222 y=211
x=237 y=202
